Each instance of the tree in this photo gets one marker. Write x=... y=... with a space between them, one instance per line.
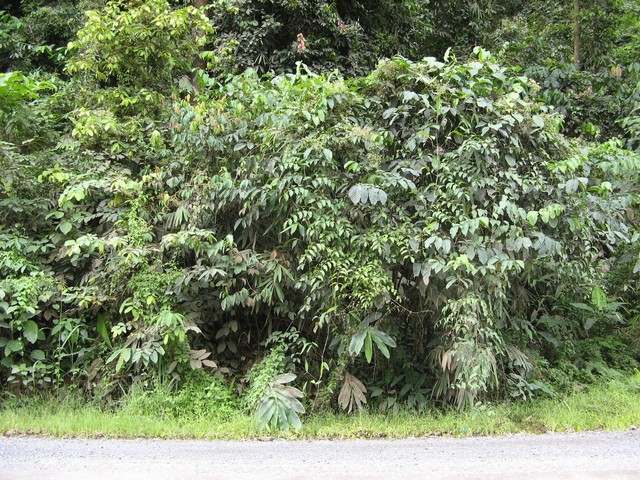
x=577 y=29
x=33 y=34
x=139 y=44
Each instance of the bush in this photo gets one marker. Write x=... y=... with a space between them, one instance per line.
x=199 y=396
x=431 y=210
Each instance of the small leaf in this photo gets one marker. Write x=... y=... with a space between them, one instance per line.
x=582 y=306
x=103 y=330
x=372 y=317
x=368 y=347
x=30 y=331
x=538 y=120
x=355 y=193
x=284 y=378
x=381 y=346
x=357 y=342
x=388 y=112
x=65 y=227
x=294 y=420
x=12 y=346
x=125 y=356
x=387 y=339
x=266 y=408
x=599 y=298
x=374 y=196
x=37 y=355
x=549 y=338
x=590 y=322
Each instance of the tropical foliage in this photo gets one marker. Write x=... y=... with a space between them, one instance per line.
x=198 y=187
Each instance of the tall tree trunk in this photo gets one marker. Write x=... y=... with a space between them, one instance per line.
x=199 y=4
x=577 y=27
x=197 y=61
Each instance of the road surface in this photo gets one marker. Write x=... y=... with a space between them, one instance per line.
x=583 y=456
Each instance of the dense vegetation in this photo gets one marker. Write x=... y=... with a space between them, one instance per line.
x=355 y=198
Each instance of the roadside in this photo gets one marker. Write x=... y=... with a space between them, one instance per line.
x=608 y=406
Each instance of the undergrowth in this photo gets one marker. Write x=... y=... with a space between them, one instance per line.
x=604 y=406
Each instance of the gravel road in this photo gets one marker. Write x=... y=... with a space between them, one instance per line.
x=595 y=455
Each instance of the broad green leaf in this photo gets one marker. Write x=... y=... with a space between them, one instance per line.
x=37 y=355
x=538 y=120
x=381 y=346
x=368 y=347
x=387 y=339
x=572 y=185
x=405 y=390
x=65 y=227
x=408 y=95
x=357 y=342
x=125 y=356
x=291 y=393
x=582 y=306
x=13 y=346
x=471 y=252
x=103 y=331
x=294 y=420
x=375 y=391
x=590 y=322
x=549 y=338
x=372 y=317
x=265 y=411
x=544 y=215
x=599 y=298
x=30 y=331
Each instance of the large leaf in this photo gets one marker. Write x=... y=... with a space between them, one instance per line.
x=30 y=331
x=355 y=193
x=103 y=330
x=352 y=394
x=357 y=342
x=599 y=298
x=12 y=346
x=284 y=378
x=368 y=347
x=280 y=408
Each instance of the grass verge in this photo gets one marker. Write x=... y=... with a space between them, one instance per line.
x=611 y=406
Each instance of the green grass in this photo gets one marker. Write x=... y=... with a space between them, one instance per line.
x=611 y=406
